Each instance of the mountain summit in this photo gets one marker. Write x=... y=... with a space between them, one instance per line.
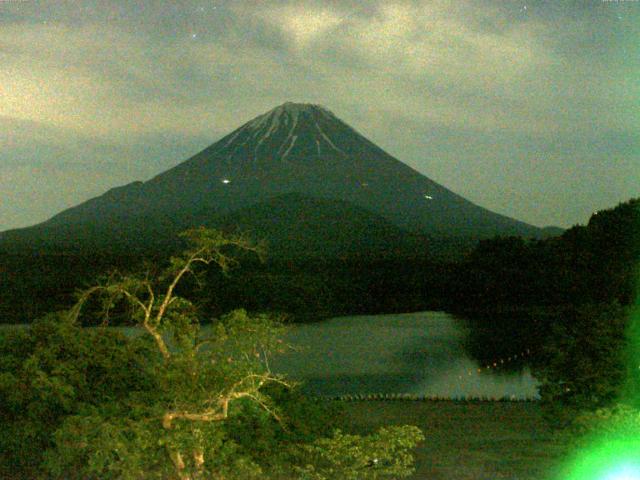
x=295 y=148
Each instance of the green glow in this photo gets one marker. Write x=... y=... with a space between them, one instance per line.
x=629 y=471
x=614 y=453
x=607 y=459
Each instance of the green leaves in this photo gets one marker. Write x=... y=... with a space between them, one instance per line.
x=583 y=364
x=608 y=422
x=385 y=454
x=54 y=369
x=177 y=402
x=106 y=443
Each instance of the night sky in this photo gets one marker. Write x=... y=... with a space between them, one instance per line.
x=530 y=109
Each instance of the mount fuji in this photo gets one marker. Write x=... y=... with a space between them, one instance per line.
x=294 y=166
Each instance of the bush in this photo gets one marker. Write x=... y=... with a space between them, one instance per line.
x=54 y=369
x=608 y=423
x=584 y=365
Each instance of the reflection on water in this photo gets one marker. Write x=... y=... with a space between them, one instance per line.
x=417 y=353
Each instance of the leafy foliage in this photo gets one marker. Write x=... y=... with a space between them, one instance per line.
x=584 y=365
x=54 y=369
x=386 y=453
x=607 y=423
x=172 y=399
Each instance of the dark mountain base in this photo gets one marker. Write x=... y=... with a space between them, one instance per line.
x=303 y=290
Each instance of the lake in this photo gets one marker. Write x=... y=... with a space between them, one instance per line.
x=414 y=353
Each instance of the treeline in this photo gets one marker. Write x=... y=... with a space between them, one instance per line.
x=516 y=294
x=38 y=283
x=595 y=263
x=569 y=299
x=320 y=289
x=587 y=264
x=304 y=289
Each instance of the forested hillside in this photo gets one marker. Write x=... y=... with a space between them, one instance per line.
x=569 y=300
x=593 y=263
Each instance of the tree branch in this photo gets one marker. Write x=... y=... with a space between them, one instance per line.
x=168 y=298
x=222 y=411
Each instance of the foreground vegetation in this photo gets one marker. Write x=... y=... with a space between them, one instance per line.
x=507 y=440
x=173 y=403
x=470 y=440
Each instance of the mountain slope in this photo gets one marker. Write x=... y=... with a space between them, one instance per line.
x=300 y=226
x=294 y=148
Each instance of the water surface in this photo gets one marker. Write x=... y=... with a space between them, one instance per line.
x=416 y=353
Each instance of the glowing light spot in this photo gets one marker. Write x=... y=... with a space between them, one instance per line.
x=607 y=459
x=226 y=181
x=428 y=197
x=624 y=472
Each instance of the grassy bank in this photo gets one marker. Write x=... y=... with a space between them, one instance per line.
x=469 y=441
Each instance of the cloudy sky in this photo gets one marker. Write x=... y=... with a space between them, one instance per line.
x=528 y=108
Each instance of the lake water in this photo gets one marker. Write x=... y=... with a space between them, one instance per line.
x=415 y=353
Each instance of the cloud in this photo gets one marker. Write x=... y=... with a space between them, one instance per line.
x=96 y=80
x=301 y=23
x=470 y=67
